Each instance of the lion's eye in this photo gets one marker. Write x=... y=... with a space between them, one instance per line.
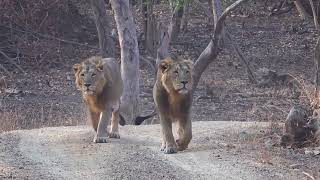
x=176 y=72
x=188 y=72
x=93 y=75
x=82 y=74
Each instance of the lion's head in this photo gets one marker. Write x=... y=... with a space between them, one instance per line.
x=176 y=75
x=90 y=76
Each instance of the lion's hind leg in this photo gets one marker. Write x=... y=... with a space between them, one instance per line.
x=114 y=131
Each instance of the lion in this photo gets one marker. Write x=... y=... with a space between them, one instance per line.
x=172 y=94
x=99 y=80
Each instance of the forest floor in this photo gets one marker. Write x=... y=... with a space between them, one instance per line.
x=45 y=95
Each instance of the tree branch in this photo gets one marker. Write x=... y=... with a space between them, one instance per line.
x=11 y=61
x=237 y=50
x=315 y=16
x=213 y=48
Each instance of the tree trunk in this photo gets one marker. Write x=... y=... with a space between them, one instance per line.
x=174 y=27
x=213 y=48
x=216 y=10
x=315 y=16
x=317 y=74
x=185 y=16
x=106 y=42
x=129 y=59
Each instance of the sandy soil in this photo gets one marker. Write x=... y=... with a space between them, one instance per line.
x=219 y=150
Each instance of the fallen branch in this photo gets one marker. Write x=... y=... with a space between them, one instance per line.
x=213 y=48
x=36 y=34
x=237 y=50
x=148 y=62
x=12 y=61
x=5 y=70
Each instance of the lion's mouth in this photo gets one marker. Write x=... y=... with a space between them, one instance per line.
x=183 y=90
x=88 y=92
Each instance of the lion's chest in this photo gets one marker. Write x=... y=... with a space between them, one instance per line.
x=94 y=104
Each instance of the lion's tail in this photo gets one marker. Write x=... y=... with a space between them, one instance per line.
x=122 y=121
x=139 y=120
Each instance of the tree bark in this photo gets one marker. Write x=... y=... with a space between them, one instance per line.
x=185 y=16
x=129 y=59
x=175 y=23
x=216 y=10
x=106 y=42
x=317 y=74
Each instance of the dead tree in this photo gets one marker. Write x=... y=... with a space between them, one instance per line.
x=215 y=45
x=303 y=122
x=106 y=42
x=129 y=58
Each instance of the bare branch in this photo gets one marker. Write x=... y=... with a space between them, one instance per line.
x=213 y=48
x=241 y=57
x=5 y=70
x=12 y=61
x=315 y=16
x=36 y=34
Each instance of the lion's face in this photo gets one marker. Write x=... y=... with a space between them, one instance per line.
x=90 y=78
x=177 y=75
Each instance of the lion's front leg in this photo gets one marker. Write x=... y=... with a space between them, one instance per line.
x=168 y=144
x=184 y=133
x=114 y=132
x=102 y=131
x=94 y=118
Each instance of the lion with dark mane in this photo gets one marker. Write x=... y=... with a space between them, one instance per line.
x=172 y=94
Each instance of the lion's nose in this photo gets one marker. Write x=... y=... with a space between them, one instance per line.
x=184 y=82
x=87 y=85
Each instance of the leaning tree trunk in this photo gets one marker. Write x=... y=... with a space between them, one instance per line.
x=315 y=15
x=106 y=42
x=302 y=12
x=214 y=47
x=129 y=58
x=317 y=74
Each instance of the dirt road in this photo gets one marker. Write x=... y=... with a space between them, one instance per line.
x=219 y=150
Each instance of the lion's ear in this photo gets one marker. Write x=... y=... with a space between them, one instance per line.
x=76 y=67
x=100 y=66
x=164 y=65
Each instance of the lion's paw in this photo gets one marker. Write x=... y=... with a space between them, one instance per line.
x=114 y=135
x=170 y=150
x=97 y=139
x=181 y=146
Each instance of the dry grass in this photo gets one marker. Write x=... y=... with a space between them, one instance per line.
x=17 y=118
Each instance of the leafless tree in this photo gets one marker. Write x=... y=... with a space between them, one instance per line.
x=129 y=58
x=215 y=45
x=106 y=42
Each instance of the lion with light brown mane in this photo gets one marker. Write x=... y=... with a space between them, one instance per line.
x=99 y=80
